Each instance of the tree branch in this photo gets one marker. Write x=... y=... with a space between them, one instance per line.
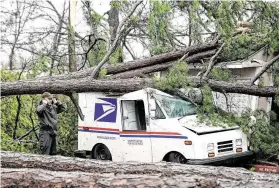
x=77 y=106
x=269 y=64
x=115 y=42
x=212 y=61
x=131 y=53
x=17 y=115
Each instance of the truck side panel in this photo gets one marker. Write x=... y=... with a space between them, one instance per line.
x=101 y=123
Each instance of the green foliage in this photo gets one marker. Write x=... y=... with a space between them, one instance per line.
x=67 y=138
x=116 y=56
x=7 y=75
x=97 y=53
x=158 y=22
x=277 y=80
x=220 y=74
x=267 y=22
x=134 y=19
x=102 y=73
x=263 y=133
x=240 y=47
x=225 y=20
x=9 y=108
x=67 y=135
x=176 y=77
x=96 y=18
x=276 y=100
x=261 y=82
x=115 y=4
x=40 y=67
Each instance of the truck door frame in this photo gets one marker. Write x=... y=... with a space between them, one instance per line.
x=136 y=142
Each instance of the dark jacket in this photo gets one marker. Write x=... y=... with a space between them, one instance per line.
x=48 y=115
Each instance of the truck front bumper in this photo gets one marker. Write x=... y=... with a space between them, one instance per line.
x=221 y=159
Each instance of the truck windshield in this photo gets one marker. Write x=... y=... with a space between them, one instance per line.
x=176 y=108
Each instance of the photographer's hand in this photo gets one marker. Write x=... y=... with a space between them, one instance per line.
x=54 y=101
x=45 y=101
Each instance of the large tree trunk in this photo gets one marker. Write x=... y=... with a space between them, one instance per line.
x=71 y=37
x=69 y=86
x=30 y=170
x=121 y=85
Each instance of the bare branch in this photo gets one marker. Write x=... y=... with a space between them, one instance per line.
x=269 y=64
x=212 y=61
x=77 y=106
x=131 y=53
x=115 y=42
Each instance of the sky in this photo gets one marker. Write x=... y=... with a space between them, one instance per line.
x=100 y=6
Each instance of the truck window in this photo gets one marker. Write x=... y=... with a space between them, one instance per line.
x=175 y=108
x=133 y=115
x=158 y=113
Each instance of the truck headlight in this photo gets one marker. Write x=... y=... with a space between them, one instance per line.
x=210 y=147
x=238 y=142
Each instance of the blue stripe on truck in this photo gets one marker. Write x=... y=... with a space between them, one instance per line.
x=136 y=136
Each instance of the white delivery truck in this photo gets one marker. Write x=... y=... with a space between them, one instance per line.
x=152 y=126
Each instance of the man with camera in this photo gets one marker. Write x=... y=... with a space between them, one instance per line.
x=47 y=111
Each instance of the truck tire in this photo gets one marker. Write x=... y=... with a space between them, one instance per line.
x=176 y=157
x=101 y=152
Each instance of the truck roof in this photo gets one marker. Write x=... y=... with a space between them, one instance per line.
x=144 y=91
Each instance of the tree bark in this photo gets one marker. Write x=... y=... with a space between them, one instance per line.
x=163 y=66
x=131 y=65
x=121 y=85
x=71 y=38
x=113 y=21
x=267 y=66
x=228 y=87
x=160 y=59
x=69 y=86
x=30 y=170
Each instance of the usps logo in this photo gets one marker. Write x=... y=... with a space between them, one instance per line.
x=105 y=110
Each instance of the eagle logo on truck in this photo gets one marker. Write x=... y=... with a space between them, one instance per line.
x=105 y=111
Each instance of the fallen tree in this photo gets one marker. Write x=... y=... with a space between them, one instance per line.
x=139 y=63
x=29 y=170
x=82 y=82
x=122 y=85
x=162 y=66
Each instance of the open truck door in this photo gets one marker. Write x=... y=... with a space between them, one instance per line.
x=135 y=135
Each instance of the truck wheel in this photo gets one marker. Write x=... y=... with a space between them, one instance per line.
x=177 y=158
x=101 y=152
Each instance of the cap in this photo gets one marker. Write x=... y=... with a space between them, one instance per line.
x=47 y=95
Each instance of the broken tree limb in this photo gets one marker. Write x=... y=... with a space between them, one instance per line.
x=139 y=63
x=228 y=87
x=160 y=59
x=23 y=136
x=212 y=61
x=115 y=41
x=163 y=66
x=76 y=106
x=31 y=170
x=267 y=66
x=122 y=85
